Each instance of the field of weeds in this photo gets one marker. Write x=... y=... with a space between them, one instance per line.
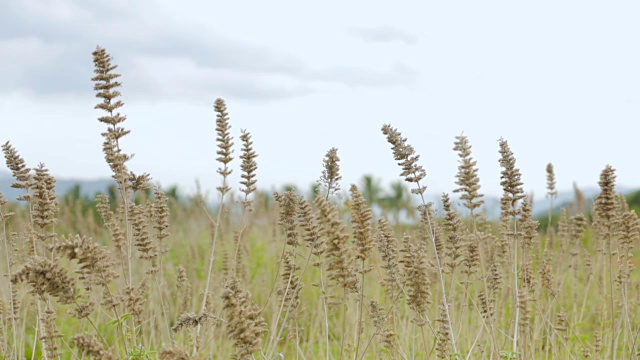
x=137 y=274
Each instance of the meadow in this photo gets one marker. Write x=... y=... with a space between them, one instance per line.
x=141 y=274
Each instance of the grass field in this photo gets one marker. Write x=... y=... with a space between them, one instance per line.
x=138 y=274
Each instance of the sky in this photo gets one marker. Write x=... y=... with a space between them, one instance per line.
x=560 y=80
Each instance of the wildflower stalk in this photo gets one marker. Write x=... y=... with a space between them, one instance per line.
x=413 y=173
x=224 y=152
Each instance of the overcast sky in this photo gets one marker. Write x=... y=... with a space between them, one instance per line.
x=560 y=80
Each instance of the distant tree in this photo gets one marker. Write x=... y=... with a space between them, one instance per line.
x=633 y=200
x=371 y=189
x=398 y=201
x=314 y=190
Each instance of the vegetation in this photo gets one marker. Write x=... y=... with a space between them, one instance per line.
x=139 y=274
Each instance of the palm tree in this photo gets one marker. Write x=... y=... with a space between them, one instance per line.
x=371 y=189
x=399 y=200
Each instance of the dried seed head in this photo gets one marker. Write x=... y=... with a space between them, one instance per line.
x=406 y=157
x=386 y=336
x=96 y=266
x=416 y=278
x=288 y=219
x=248 y=168
x=330 y=179
x=18 y=167
x=225 y=143
x=291 y=285
x=174 y=354
x=47 y=278
x=45 y=205
x=51 y=333
x=551 y=182
x=245 y=325
x=139 y=217
x=105 y=86
x=191 y=320
x=467 y=176
x=338 y=253
x=578 y=224
x=510 y=181
x=134 y=297
x=361 y=221
x=443 y=333
x=605 y=203
x=88 y=344
x=312 y=231
x=388 y=249
x=528 y=226
x=110 y=221
x=454 y=238
x=160 y=216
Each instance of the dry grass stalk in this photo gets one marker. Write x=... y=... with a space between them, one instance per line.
x=467 y=176
x=248 y=168
x=245 y=325
x=413 y=173
x=174 y=354
x=224 y=152
x=455 y=240
x=512 y=193
x=386 y=336
x=96 y=265
x=73 y=273
x=47 y=278
x=330 y=179
x=288 y=218
x=337 y=252
x=388 y=249
x=363 y=242
x=89 y=345
x=416 y=278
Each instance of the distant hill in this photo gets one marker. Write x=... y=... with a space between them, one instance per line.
x=87 y=187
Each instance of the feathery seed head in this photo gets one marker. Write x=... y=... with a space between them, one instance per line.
x=18 y=167
x=248 y=167
x=331 y=177
x=467 y=176
x=361 y=220
x=406 y=157
x=551 y=181
x=47 y=278
x=388 y=249
x=225 y=143
x=312 y=231
x=245 y=325
x=605 y=202
x=510 y=181
x=289 y=202
x=88 y=344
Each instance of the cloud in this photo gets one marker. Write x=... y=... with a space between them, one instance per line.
x=182 y=77
x=47 y=55
x=383 y=34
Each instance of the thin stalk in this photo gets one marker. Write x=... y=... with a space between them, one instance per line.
x=344 y=321
x=359 y=324
x=326 y=310
x=440 y=274
x=12 y=305
x=515 y=277
x=211 y=256
x=613 y=314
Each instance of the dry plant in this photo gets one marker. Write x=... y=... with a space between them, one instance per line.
x=146 y=273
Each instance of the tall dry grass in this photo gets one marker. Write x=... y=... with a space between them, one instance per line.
x=254 y=277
